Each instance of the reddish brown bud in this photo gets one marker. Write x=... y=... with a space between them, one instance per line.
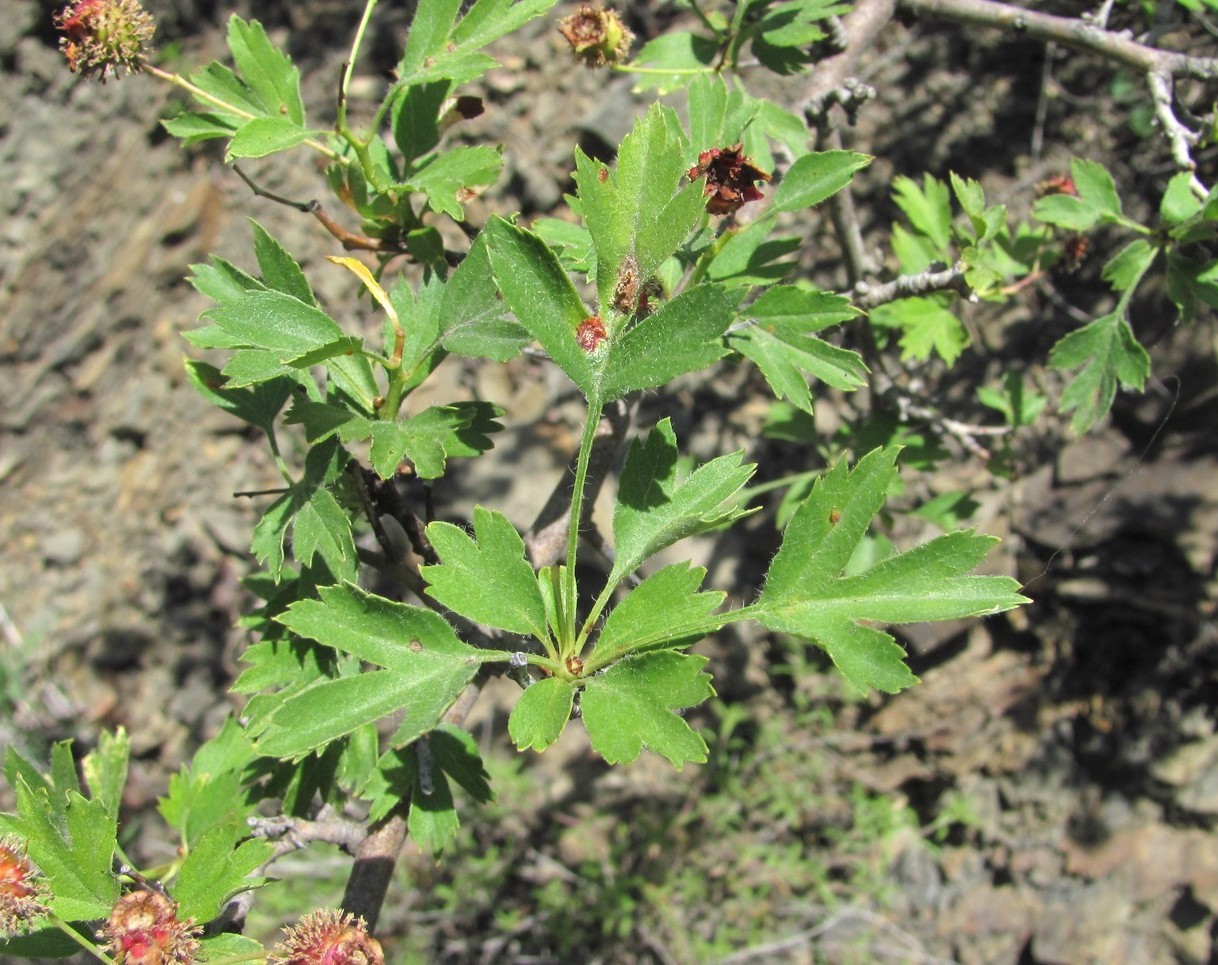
x=1058 y=184
x=597 y=37
x=144 y=930
x=102 y=34
x=591 y=333
x=328 y=937
x=730 y=178
x=21 y=888
x=575 y=666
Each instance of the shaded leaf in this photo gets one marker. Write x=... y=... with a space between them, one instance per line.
x=541 y=713
x=656 y=509
x=1107 y=355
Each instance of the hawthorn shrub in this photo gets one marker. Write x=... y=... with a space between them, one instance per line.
x=681 y=255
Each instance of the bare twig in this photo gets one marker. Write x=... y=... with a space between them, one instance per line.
x=867 y=296
x=375 y=859
x=350 y=240
x=859 y=29
x=1161 y=68
x=291 y=834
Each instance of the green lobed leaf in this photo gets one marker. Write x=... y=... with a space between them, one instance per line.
x=1096 y=188
x=279 y=270
x=571 y=242
x=323 y=527
x=1066 y=211
x=928 y=209
x=444 y=176
x=269 y=73
x=210 y=790
x=683 y=53
x=487 y=578
x=218 y=867
x=433 y=435
x=324 y=419
x=415 y=118
x=807 y=593
x=330 y=709
x=655 y=509
x=323 y=465
x=969 y=194
x=1107 y=355
x=815 y=177
x=541 y=713
x=194 y=127
x=399 y=637
x=258 y=405
x=220 y=83
x=1126 y=268
x=665 y=610
x=1178 y=203
x=73 y=842
x=637 y=213
x=634 y=704
x=439 y=46
x=473 y=320
x=276 y=322
x=541 y=296
x=105 y=769
x=266 y=135
x=421 y=774
x=751 y=257
x=926 y=325
x=781 y=345
x=683 y=336
x=221 y=280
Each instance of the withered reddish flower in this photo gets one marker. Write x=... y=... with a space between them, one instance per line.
x=144 y=929
x=1074 y=250
x=1058 y=184
x=22 y=889
x=590 y=333
x=597 y=37
x=329 y=937
x=731 y=178
x=102 y=34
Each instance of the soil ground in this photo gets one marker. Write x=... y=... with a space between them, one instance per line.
x=1047 y=795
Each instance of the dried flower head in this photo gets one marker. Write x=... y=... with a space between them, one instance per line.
x=597 y=37
x=103 y=34
x=143 y=929
x=1074 y=251
x=22 y=889
x=329 y=937
x=731 y=178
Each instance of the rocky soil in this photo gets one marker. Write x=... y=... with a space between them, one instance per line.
x=1080 y=731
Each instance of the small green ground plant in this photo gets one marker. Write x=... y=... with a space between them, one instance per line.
x=679 y=255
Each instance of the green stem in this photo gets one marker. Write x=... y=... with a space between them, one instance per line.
x=577 y=496
x=632 y=69
x=177 y=80
x=280 y=462
x=594 y=614
x=80 y=939
x=349 y=66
